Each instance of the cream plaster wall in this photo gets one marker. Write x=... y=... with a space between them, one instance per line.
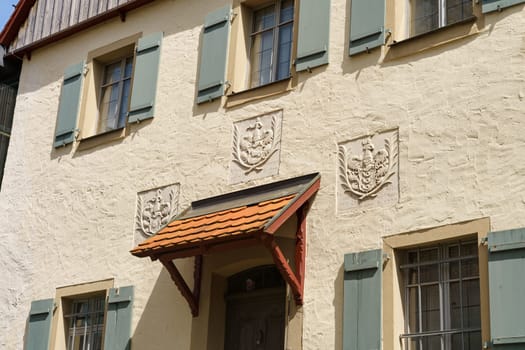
x=67 y=216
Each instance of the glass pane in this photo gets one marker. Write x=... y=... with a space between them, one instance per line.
x=286 y=13
x=264 y=19
x=112 y=73
x=425 y=16
x=469 y=268
x=124 y=104
x=412 y=276
x=109 y=107
x=469 y=249
x=429 y=273
x=128 y=68
x=413 y=310
x=431 y=343
x=427 y=255
x=458 y=10
x=453 y=251
x=262 y=50
x=284 y=51
x=472 y=341
x=471 y=304
x=453 y=270
x=430 y=311
x=454 y=305
x=412 y=344
x=456 y=341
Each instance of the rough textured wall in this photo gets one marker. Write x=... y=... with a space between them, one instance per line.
x=68 y=217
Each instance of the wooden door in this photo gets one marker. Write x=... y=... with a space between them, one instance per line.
x=256 y=320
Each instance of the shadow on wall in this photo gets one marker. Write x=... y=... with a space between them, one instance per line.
x=165 y=322
x=338 y=307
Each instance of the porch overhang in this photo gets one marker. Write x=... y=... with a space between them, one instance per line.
x=234 y=221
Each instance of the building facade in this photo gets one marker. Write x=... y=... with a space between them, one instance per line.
x=301 y=174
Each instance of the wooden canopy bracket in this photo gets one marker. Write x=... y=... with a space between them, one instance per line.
x=294 y=279
x=192 y=297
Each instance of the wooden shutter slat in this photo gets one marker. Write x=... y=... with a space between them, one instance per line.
x=362 y=319
x=118 y=319
x=507 y=288
x=69 y=105
x=214 y=51
x=39 y=324
x=314 y=34
x=496 y=5
x=367 y=23
x=145 y=76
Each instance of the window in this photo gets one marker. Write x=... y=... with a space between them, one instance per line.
x=260 y=42
x=115 y=86
x=428 y=15
x=271 y=46
x=115 y=89
x=86 y=323
x=7 y=108
x=442 y=297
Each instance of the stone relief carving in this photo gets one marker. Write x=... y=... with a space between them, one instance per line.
x=364 y=175
x=155 y=208
x=256 y=147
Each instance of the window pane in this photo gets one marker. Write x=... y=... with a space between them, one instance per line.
x=454 y=306
x=128 y=68
x=471 y=304
x=458 y=10
x=431 y=343
x=469 y=268
x=112 y=73
x=284 y=51
x=124 y=104
x=262 y=50
x=264 y=18
x=109 y=107
x=413 y=307
x=429 y=273
x=425 y=16
x=430 y=311
x=286 y=13
x=472 y=341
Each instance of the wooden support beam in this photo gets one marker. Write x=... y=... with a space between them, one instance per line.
x=284 y=268
x=300 y=245
x=182 y=286
x=197 y=277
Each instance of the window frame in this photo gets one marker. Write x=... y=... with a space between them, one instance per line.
x=120 y=82
x=275 y=29
x=442 y=17
x=64 y=298
x=393 y=312
x=91 y=94
x=441 y=266
x=89 y=330
x=238 y=69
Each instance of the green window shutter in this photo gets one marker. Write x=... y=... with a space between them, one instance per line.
x=313 y=37
x=118 y=319
x=39 y=324
x=507 y=288
x=214 y=52
x=496 y=5
x=69 y=105
x=367 y=25
x=145 y=76
x=362 y=300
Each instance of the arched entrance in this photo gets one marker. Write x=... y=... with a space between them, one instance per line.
x=255 y=310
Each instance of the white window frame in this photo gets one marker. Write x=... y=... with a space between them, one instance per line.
x=275 y=46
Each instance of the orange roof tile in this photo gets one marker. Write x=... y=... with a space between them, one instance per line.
x=230 y=223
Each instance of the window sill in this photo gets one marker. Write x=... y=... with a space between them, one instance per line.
x=433 y=38
x=100 y=139
x=277 y=87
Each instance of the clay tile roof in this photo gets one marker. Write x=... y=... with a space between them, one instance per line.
x=236 y=216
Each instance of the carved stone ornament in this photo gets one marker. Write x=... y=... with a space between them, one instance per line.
x=364 y=175
x=256 y=144
x=155 y=208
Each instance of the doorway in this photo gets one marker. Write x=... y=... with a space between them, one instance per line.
x=255 y=310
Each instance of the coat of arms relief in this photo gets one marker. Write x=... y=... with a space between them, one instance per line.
x=155 y=208
x=367 y=165
x=256 y=146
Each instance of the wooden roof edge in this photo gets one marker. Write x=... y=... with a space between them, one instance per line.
x=18 y=18
x=295 y=204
